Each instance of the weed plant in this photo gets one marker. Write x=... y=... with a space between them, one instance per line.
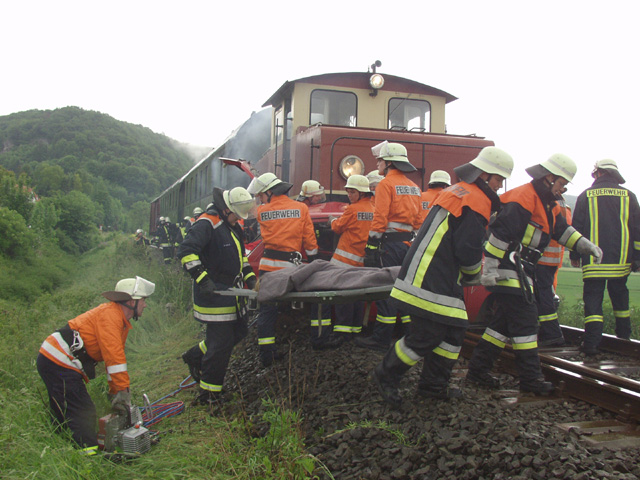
x=193 y=445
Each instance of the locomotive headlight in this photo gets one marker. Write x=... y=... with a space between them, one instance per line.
x=376 y=81
x=351 y=165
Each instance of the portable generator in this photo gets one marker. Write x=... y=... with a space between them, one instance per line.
x=124 y=433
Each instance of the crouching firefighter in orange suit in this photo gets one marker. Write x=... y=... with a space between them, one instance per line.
x=213 y=254
x=448 y=249
x=529 y=218
x=68 y=357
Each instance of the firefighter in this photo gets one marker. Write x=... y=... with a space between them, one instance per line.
x=438 y=181
x=395 y=217
x=353 y=227
x=140 y=239
x=164 y=233
x=550 y=333
x=446 y=252
x=68 y=357
x=609 y=216
x=374 y=179
x=312 y=193
x=529 y=217
x=287 y=232
x=213 y=254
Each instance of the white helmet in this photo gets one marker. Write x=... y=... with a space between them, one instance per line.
x=393 y=152
x=197 y=211
x=239 y=201
x=374 y=178
x=311 y=188
x=167 y=219
x=209 y=206
x=263 y=183
x=558 y=164
x=359 y=183
x=161 y=219
x=130 y=288
x=611 y=167
x=490 y=160
x=139 y=231
x=440 y=176
x=187 y=218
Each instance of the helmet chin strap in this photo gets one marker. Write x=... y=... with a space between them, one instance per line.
x=134 y=309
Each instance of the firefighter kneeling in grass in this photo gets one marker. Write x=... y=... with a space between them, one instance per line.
x=68 y=358
x=529 y=218
x=448 y=249
x=213 y=254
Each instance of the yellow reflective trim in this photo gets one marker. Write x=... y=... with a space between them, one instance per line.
x=215 y=310
x=428 y=306
x=624 y=234
x=622 y=313
x=403 y=356
x=210 y=387
x=203 y=346
x=525 y=346
x=493 y=250
x=547 y=318
x=593 y=318
x=593 y=219
x=446 y=354
x=89 y=451
x=387 y=320
x=266 y=340
x=495 y=341
x=189 y=258
x=573 y=239
x=200 y=277
x=528 y=234
x=428 y=254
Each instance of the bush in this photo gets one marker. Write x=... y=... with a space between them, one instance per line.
x=16 y=240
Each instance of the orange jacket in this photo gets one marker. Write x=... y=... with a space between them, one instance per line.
x=552 y=255
x=353 y=227
x=428 y=197
x=397 y=205
x=285 y=226
x=104 y=331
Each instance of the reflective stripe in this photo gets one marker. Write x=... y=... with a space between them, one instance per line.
x=447 y=350
x=429 y=301
x=350 y=256
x=89 y=451
x=494 y=337
x=547 y=318
x=190 y=260
x=500 y=245
x=268 y=262
x=312 y=252
x=386 y=320
x=215 y=314
x=471 y=270
x=494 y=251
x=622 y=313
x=405 y=319
x=122 y=367
x=337 y=261
x=395 y=226
x=266 y=341
x=210 y=387
x=593 y=318
x=405 y=354
x=200 y=277
x=324 y=322
x=525 y=343
x=203 y=346
x=74 y=363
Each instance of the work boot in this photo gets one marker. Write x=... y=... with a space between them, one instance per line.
x=372 y=344
x=386 y=387
x=483 y=379
x=207 y=398
x=193 y=359
x=538 y=387
x=623 y=328
x=442 y=394
x=552 y=342
x=268 y=357
x=328 y=343
x=589 y=350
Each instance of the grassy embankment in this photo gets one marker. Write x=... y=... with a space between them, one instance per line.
x=193 y=445
x=571 y=310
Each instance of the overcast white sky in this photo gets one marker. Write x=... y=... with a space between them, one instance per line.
x=535 y=77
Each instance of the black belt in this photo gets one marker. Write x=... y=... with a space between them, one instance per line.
x=530 y=255
x=397 y=236
x=292 y=257
x=88 y=363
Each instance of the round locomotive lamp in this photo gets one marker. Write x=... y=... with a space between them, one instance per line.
x=351 y=165
x=376 y=81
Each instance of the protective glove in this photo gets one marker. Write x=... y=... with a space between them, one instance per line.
x=471 y=281
x=585 y=247
x=251 y=282
x=490 y=276
x=372 y=253
x=207 y=287
x=121 y=402
x=331 y=219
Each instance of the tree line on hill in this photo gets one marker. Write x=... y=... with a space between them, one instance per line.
x=67 y=172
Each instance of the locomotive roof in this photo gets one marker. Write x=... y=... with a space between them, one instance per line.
x=359 y=80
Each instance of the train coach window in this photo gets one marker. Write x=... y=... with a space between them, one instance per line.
x=409 y=114
x=334 y=108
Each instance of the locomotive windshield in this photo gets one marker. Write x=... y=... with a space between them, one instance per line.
x=409 y=114
x=334 y=108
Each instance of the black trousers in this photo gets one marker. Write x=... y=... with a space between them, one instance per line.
x=69 y=401
x=593 y=296
x=220 y=339
x=547 y=313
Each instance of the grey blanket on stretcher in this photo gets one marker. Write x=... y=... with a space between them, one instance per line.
x=321 y=275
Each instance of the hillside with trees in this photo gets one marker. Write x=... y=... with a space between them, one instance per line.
x=65 y=172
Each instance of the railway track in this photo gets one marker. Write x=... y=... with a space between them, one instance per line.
x=602 y=380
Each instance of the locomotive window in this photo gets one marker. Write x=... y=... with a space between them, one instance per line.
x=334 y=108
x=410 y=114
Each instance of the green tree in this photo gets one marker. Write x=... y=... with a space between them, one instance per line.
x=15 y=238
x=76 y=226
x=15 y=194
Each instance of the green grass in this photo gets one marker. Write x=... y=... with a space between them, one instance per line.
x=193 y=445
x=571 y=310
